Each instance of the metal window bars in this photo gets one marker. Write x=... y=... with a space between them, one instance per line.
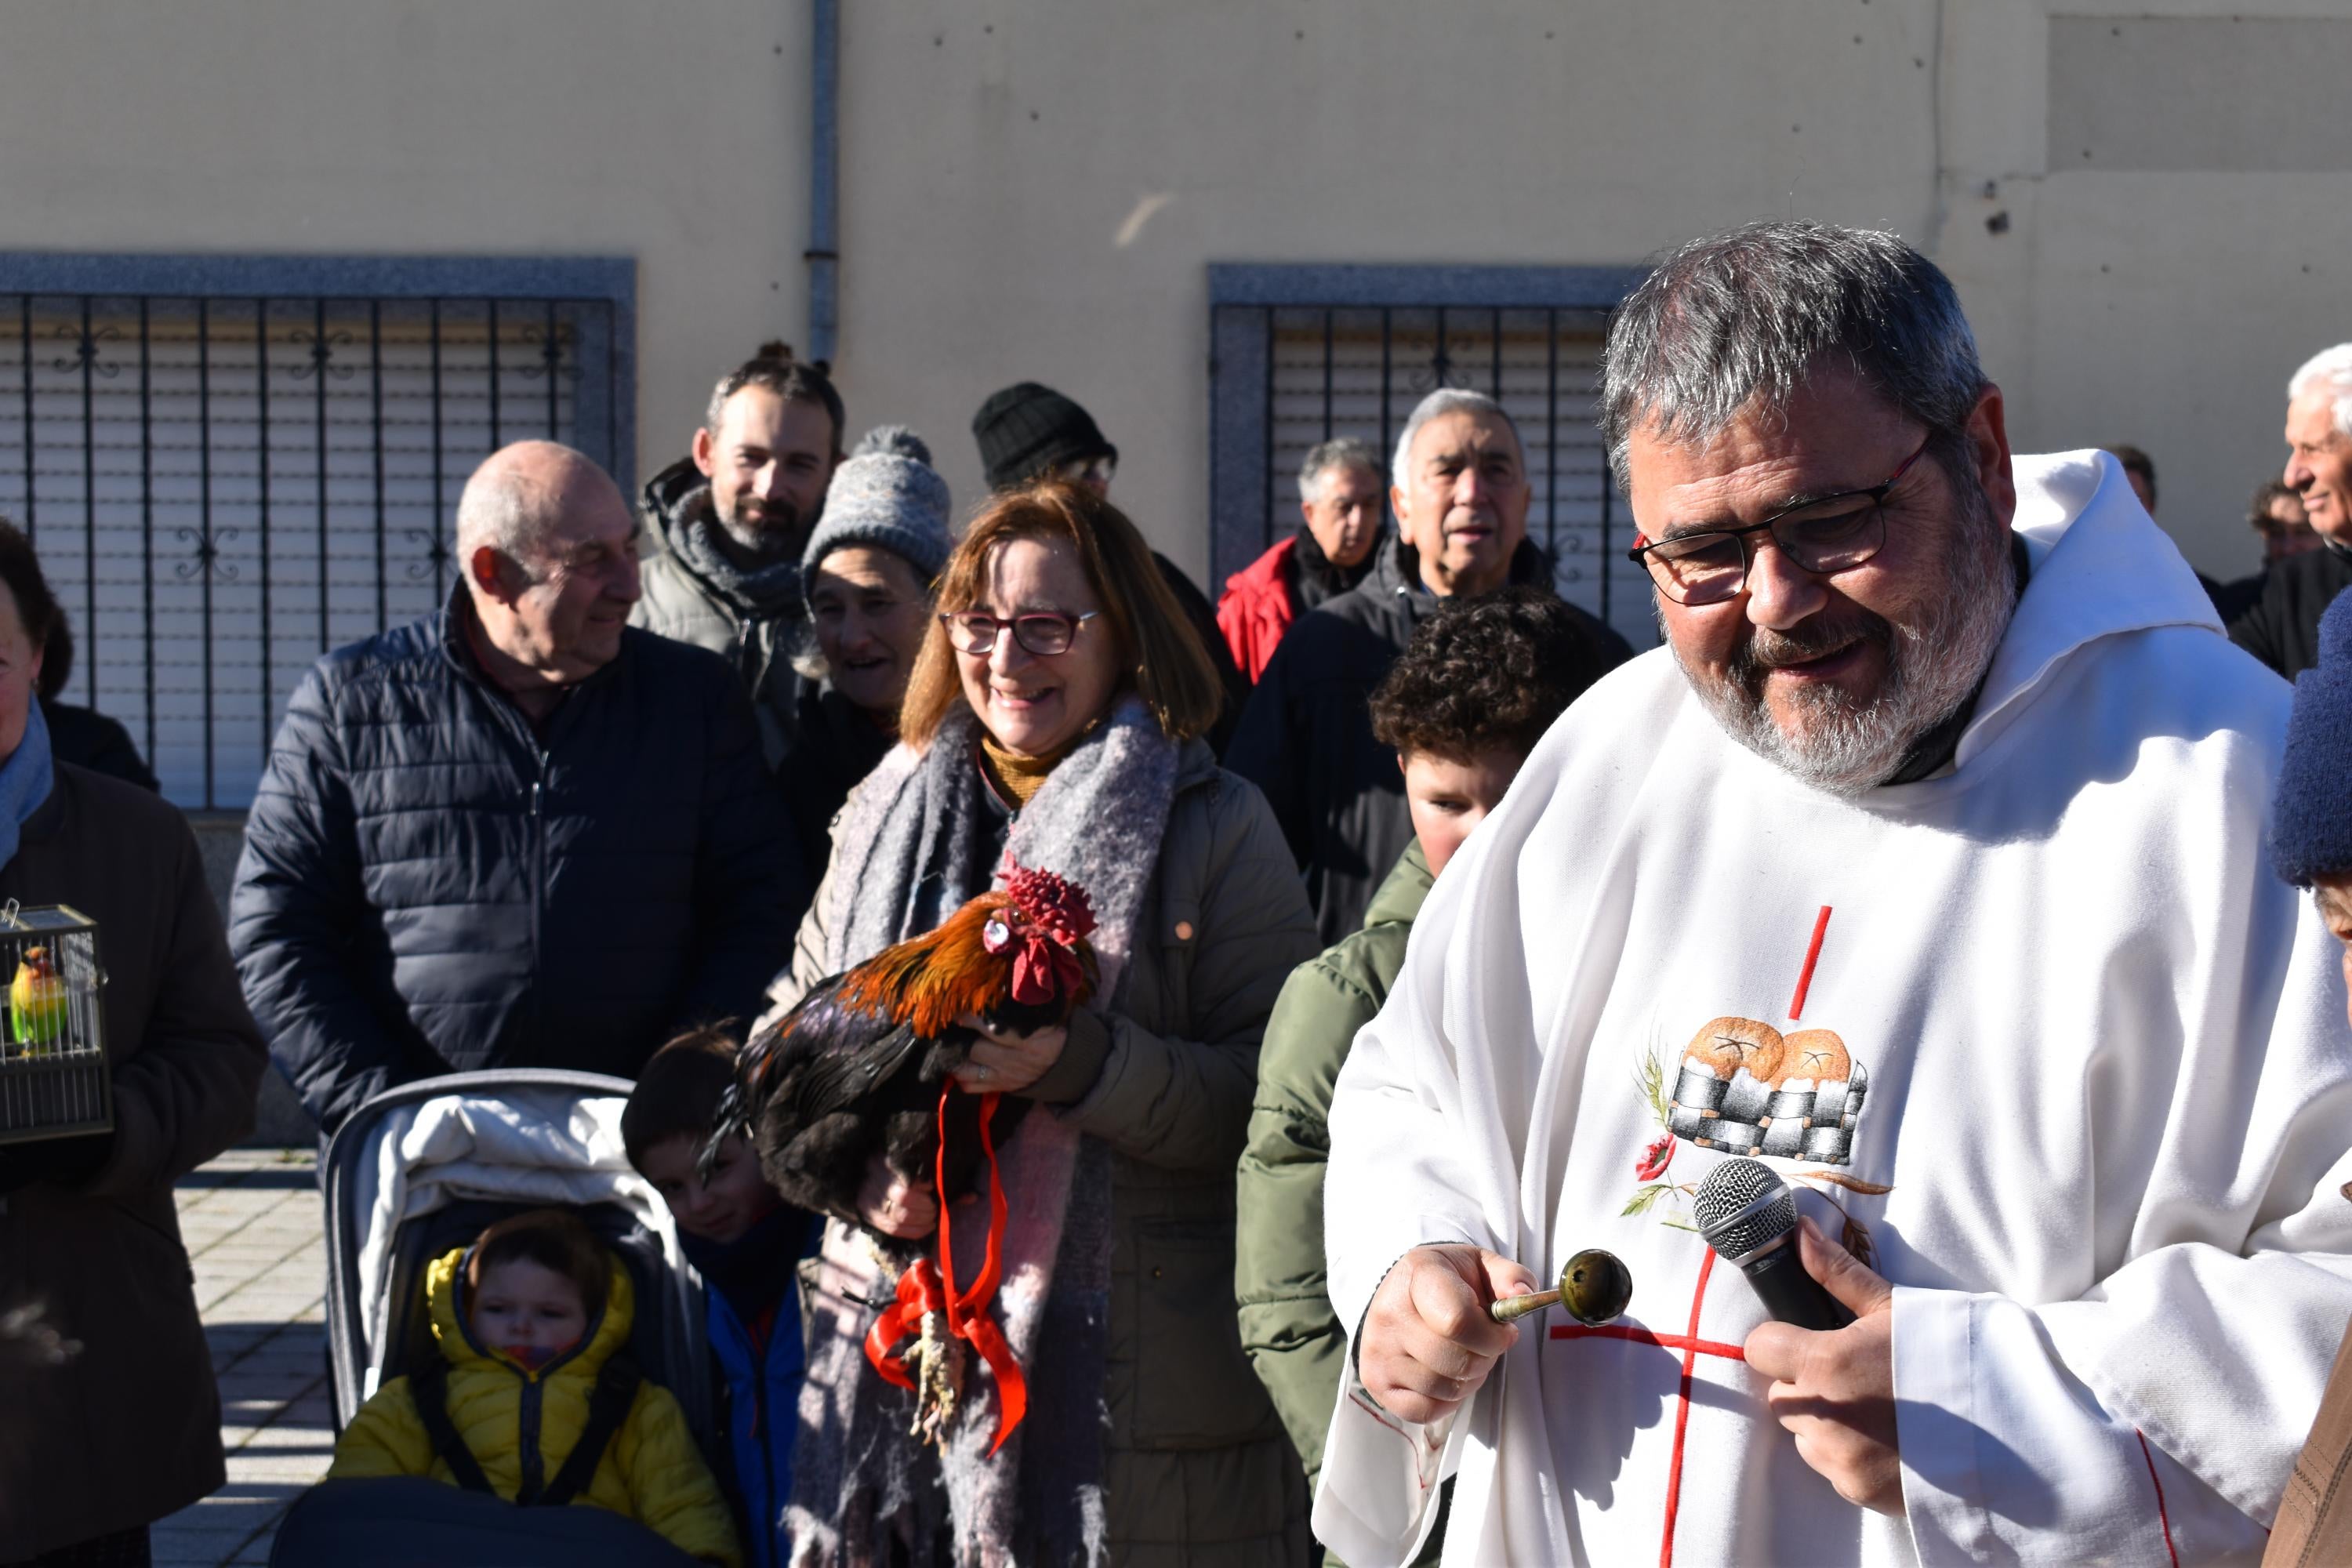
x=1359 y=371
x=223 y=487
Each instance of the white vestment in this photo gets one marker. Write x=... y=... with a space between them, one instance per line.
x=2067 y=1058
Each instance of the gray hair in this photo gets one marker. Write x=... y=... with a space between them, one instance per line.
x=1346 y=452
x=1743 y=318
x=1447 y=400
x=2331 y=368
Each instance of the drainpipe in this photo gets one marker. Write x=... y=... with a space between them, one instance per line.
x=824 y=255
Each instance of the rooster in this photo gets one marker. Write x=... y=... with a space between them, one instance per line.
x=858 y=1074
x=858 y=1070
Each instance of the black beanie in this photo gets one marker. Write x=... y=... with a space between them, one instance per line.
x=1027 y=429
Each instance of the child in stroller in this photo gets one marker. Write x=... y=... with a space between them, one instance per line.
x=529 y=1398
x=421 y=1170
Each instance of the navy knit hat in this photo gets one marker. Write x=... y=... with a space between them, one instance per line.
x=2311 y=828
x=885 y=494
x=1026 y=429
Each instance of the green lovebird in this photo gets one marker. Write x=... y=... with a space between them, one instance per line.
x=36 y=999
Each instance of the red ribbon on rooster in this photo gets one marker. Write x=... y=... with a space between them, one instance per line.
x=921 y=1289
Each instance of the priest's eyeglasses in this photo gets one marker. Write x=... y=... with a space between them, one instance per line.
x=1832 y=534
x=1041 y=632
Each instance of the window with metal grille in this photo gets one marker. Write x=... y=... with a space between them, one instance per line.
x=1307 y=353
x=230 y=466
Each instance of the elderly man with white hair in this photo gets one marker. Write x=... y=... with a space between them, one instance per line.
x=517 y=833
x=1459 y=489
x=2281 y=628
x=1923 y=875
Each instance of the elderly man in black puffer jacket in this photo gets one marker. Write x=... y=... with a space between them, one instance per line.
x=519 y=833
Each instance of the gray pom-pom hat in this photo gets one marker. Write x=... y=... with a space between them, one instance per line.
x=887 y=495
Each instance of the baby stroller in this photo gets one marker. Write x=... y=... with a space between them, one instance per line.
x=418 y=1171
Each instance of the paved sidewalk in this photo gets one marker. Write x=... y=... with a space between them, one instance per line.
x=256 y=1235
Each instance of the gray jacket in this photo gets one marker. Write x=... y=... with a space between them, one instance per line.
x=680 y=602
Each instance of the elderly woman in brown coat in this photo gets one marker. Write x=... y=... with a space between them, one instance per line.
x=1053 y=718
x=109 y=1417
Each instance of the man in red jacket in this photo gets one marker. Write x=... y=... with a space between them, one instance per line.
x=1340 y=495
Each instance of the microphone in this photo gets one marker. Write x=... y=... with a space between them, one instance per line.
x=1747 y=1213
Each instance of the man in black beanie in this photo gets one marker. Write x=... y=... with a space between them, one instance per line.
x=1028 y=431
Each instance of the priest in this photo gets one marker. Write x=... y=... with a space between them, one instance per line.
x=1927 y=864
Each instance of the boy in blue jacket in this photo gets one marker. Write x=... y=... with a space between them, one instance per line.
x=747 y=1243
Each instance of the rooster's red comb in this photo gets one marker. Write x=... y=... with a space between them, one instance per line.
x=1059 y=906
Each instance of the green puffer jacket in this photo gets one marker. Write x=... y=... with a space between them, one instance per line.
x=1294 y=1340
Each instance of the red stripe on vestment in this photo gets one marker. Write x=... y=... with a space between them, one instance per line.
x=1642 y=1336
x=1682 y=1412
x=1812 y=956
x=2162 y=1518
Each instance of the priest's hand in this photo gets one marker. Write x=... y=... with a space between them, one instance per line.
x=1427 y=1343
x=1836 y=1391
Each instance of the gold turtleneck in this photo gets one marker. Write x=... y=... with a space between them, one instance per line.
x=1018 y=778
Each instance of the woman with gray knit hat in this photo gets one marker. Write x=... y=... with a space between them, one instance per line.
x=867 y=574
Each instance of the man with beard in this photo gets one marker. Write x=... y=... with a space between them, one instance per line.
x=1460 y=493
x=728 y=521
x=1926 y=864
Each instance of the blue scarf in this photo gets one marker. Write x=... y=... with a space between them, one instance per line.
x=26 y=779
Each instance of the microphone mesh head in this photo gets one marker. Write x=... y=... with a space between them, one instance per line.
x=1729 y=1215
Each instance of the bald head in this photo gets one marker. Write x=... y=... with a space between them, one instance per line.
x=549 y=551
x=517 y=500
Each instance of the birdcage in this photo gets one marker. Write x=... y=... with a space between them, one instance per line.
x=53 y=1077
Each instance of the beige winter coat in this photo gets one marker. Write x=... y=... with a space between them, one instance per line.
x=1198 y=1467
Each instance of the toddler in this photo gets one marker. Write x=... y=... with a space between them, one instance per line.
x=531 y=1398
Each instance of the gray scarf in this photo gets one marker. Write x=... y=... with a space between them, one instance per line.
x=903 y=862
x=768 y=593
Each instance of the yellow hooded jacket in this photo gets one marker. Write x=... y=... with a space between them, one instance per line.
x=651 y=1470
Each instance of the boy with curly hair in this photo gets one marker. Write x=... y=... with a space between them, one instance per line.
x=1477 y=689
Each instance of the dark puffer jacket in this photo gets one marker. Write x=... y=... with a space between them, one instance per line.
x=429 y=885
x=1306 y=739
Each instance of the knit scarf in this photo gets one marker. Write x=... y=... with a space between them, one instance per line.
x=903 y=862
x=766 y=594
x=26 y=779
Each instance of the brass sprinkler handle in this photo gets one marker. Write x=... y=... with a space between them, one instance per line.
x=1594 y=1288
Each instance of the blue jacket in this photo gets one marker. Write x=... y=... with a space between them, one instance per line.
x=429 y=885
x=762 y=1386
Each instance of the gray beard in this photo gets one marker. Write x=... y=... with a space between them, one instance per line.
x=1847 y=749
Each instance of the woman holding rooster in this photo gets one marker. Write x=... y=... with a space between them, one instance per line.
x=1052 y=721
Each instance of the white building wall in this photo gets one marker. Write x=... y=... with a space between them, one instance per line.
x=1034 y=188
